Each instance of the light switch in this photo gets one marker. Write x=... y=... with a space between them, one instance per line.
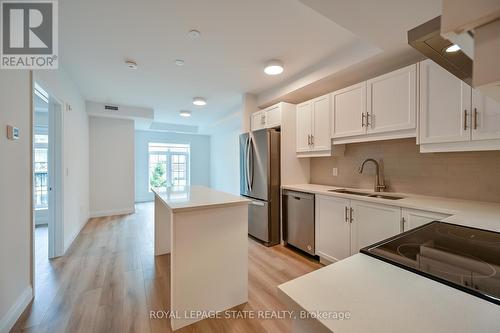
x=335 y=172
x=12 y=132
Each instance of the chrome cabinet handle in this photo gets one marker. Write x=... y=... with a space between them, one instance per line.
x=308 y=139
x=368 y=119
x=465 y=119
x=312 y=139
x=350 y=215
x=346 y=218
x=402 y=227
x=475 y=118
x=363 y=115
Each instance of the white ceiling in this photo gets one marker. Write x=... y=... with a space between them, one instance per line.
x=238 y=36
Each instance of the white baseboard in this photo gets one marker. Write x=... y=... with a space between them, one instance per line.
x=112 y=212
x=10 y=318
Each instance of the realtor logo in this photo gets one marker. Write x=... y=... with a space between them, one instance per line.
x=29 y=34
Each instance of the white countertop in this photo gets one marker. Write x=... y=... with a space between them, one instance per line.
x=183 y=198
x=384 y=298
x=479 y=214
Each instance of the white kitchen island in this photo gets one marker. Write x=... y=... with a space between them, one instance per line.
x=205 y=231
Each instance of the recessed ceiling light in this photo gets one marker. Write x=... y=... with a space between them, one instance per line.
x=453 y=48
x=194 y=33
x=131 y=64
x=185 y=113
x=200 y=101
x=274 y=67
x=179 y=62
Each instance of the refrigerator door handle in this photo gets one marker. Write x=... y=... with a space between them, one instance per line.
x=251 y=170
x=247 y=164
x=257 y=203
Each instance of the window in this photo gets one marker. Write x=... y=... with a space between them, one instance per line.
x=41 y=194
x=168 y=165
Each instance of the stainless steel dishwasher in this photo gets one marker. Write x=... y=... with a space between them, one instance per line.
x=298 y=220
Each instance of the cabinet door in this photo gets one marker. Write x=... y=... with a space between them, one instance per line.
x=258 y=121
x=332 y=228
x=485 y=117
x=445 y=105
x=392 y=101
x=413 y=218
x=372 y=223
x=349 y=110
x=304 y=126
x=273 y=116
x=321 y=123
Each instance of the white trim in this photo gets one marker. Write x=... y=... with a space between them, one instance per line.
x=112 y=212
x=13 y=314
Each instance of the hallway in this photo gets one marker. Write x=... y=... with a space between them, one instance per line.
x=109 y=281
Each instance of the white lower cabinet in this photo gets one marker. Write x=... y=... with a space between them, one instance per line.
x=372 y=223
x=333 y=230
x=345 y=226
x=413 y=218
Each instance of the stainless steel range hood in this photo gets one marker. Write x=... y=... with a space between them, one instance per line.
x=427 y=39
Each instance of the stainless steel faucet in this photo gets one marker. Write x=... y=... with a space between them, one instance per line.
x=379 y=185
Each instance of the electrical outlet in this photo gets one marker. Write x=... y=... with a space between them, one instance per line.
x=335 y=172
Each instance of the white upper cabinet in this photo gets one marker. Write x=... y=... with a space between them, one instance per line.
x=445 y=105
x=267 y=118
x=273 y=116
x=372 y=223
x=332 y=228
x=392 y=101
x=258 y=121
x=304 y=126
x=485 y=117
x=321 y=123
x=349 y=111
x=313 y=126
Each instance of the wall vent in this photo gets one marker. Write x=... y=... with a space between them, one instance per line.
x=111 y=107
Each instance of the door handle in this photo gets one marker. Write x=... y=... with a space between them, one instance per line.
x=247 y=164
x=250 y=172
x=312 y=139
x=350 y=215
x=475 y=118
x=368 y=119
x=363 y=115
x=308 y=139
x=346 y=214
x=465 y=119
x=256 y=203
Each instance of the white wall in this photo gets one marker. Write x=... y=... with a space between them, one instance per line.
x=224 y=151
x=200 y=159
x=15 y=192
x=75 y=150
x=112 y=188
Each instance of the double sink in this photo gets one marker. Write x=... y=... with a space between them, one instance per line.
x=364 y=194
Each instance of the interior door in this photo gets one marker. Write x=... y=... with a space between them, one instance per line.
x=321 y=123
x=304 y=126
x=445 y=105
x=485 y=117
x=258 y=165
x=392 y=101
x=349 y=111
x=372 y=223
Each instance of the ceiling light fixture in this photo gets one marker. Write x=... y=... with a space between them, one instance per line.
x=194 y=33
x=274 y=67
x=179 y=62
x=185 y=113
x=131 y=64
x=200 y=101
x=453 y=48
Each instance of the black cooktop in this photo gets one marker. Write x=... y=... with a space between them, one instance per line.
x=462 y=257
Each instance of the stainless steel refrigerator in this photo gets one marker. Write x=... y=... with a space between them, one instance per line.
x=260 y=182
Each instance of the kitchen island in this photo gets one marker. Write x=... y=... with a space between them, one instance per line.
x=205 y=232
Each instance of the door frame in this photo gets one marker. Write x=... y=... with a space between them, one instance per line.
x=56 y=180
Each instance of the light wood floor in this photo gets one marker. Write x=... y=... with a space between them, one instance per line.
x=110 y=280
